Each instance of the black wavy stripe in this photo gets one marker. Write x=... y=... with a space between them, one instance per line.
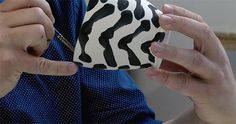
x=146 y=65
x=155 y=17
x=100 y=66
x=139 y=12
x=92 y=4
x=123 y=4
x=123 y=43
x=126 y=18
x=103 y=1
x=86 y=29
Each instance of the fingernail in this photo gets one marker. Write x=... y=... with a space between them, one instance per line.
x=73 y=67
x=168 y=8
x=166 y=19
x=158 y=48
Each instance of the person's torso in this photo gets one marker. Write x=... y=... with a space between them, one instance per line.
x=90 y=96
x=39 y=98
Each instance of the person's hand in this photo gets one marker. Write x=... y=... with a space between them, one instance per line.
x=26 y=28
x=204 y=73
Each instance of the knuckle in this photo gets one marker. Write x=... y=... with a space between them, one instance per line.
x=218 y=73
x=183 y=21
x=47 y=4
x=29 y=2
x=184 y=11
x=46 y=46
x=200 y=18
x=180 y=22
x=225 y=61
x=39 y=13
x=197 y=59
x=165 y=78
x=40 y=51
x=58 y=66
x=175 y=9
x=45 y=21
x=206 y=31
x=51 y=31
x=185 y=82
x=40 y=42
x=40 y=30
x=42 y=65
x=186 y=86
x=48 y=11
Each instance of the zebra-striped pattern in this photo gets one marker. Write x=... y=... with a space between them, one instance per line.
x=117 y=34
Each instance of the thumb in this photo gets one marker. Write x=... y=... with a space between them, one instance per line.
x=38 y=65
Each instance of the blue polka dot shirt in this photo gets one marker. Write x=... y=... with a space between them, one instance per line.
x=89 y=96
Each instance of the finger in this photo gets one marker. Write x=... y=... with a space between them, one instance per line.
x=192 y=60
x=10 y=5
x=30 y=36
x=172 y=67
x=176 y=10
x=29 y=16
x=37 y=65
x=178 y=82
x=191 y=28
x=200 y=32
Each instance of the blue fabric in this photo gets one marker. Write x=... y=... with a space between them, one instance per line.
x=90 y=96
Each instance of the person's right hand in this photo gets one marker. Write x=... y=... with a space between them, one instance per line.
x=26 y=28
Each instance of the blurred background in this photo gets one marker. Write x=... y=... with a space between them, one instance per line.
x=221 y=16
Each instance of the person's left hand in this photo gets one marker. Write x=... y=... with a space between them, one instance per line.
x=204 y=73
